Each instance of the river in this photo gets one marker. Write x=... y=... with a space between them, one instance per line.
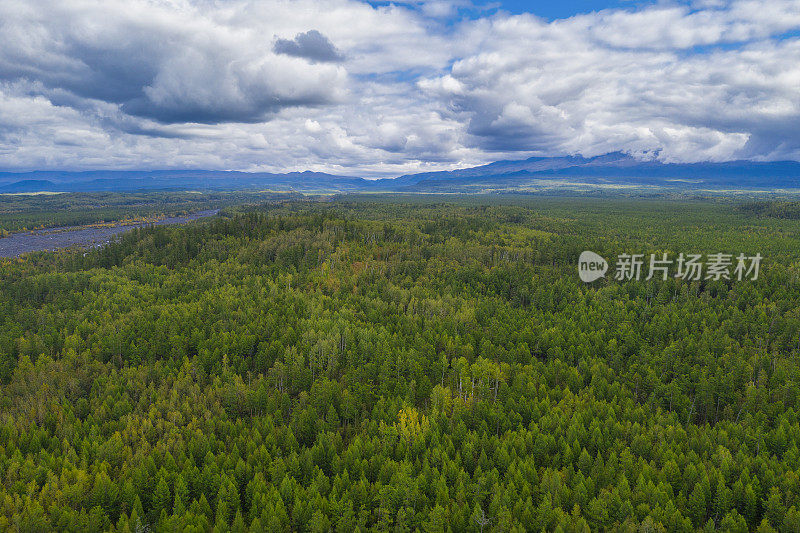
x=80 y=236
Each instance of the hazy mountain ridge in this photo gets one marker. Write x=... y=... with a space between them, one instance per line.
x=613 y=169
x=125 y=180
x=619 y=169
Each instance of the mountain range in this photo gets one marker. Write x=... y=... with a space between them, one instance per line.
x=614 y=170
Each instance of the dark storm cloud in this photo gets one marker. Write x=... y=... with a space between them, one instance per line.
x=310 y=45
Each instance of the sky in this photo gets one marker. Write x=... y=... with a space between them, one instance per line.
x=388 y=88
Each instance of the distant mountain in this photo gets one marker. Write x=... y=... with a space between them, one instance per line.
x=101 y=180
x=499 y=168
x=27 y=186
x=537 y=173
x=614 y=169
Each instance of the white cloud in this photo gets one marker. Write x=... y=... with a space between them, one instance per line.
x=622 y=81
x=341 y=86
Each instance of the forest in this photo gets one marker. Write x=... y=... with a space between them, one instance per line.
x=404 y=363
x=773 y=208
x=22 y=212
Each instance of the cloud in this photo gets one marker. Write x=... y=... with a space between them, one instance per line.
x=310 y=45
x=680 y=27
x=156 y=61
x=260 y=85
x=595 y=84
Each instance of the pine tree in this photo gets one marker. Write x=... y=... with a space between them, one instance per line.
x=238 y=523
x=697 y=505
x=162 y=499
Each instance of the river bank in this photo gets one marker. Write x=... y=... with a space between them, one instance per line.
x=81 y=236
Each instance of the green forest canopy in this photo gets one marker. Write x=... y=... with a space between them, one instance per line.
x=404 y=364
